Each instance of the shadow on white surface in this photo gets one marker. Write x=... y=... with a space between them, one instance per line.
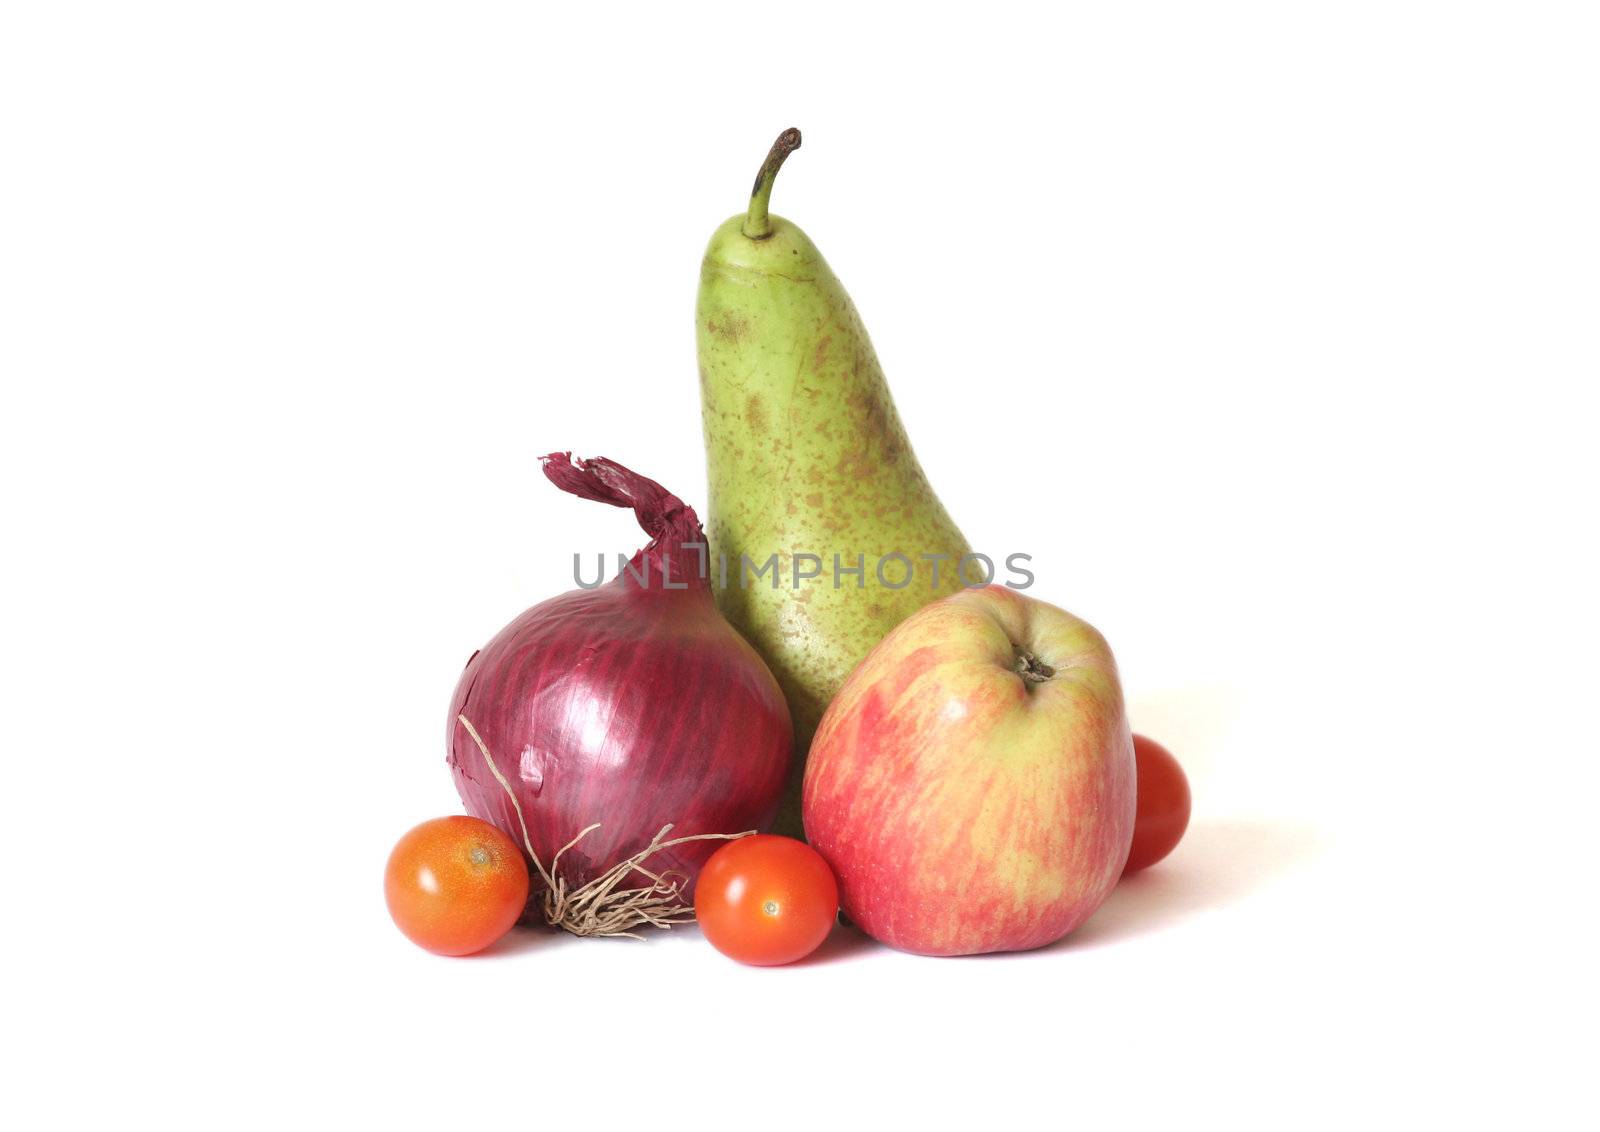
x=1220 y=862
x=845 y=943
x=519 y=940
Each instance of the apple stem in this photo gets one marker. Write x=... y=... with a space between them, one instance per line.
x=1032 y=669
x=757 y=225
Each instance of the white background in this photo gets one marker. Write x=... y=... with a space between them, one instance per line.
x=1269 y=329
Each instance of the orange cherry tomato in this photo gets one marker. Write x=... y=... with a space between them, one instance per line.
x=766 y=900
x=1163 y=806
x=455 y=885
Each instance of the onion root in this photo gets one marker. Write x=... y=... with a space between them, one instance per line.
x=600 y=907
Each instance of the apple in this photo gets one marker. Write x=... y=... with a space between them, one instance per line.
x=972 y=784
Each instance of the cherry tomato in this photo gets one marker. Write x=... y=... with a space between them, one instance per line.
x=455 y=885
x=1163 y=806
x=766 y=900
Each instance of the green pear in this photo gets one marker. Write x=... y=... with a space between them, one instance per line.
x=808 y=466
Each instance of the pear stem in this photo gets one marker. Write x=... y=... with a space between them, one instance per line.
x=757 y=225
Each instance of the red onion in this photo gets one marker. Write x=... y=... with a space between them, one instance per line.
x=634 y=705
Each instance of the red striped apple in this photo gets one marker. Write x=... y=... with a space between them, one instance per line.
x=972 y=784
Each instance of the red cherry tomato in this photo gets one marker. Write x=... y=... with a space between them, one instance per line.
x=766 y=900
x=1163 y=806
x=455 y=885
